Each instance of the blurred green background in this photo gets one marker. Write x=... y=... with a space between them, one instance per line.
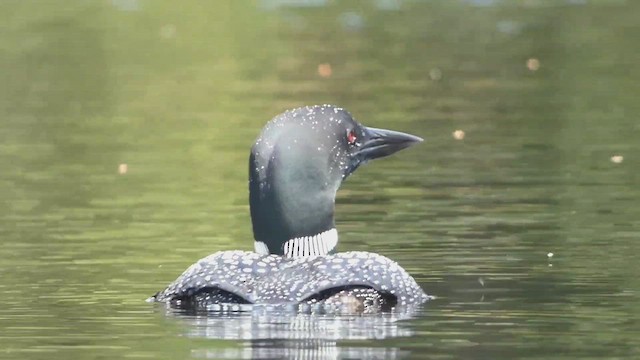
x=125 y=128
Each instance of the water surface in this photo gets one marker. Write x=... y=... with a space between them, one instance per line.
x=125 y=133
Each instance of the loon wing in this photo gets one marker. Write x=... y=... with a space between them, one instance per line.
x=272 y=279
x=231 y=271
x=304 y=278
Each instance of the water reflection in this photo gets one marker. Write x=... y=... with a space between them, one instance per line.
x=280 y=334
x=301 y=350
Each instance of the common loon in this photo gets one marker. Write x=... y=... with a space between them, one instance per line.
x=296 y=166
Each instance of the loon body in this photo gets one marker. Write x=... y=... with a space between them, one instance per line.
x=295 y=169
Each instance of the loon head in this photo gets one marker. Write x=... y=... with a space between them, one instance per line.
x=297 y=165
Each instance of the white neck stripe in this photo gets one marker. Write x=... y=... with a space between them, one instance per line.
x=261 y=248
x=319 y=244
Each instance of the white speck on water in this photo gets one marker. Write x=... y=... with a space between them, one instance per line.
x=617 y=159
x=550 y=255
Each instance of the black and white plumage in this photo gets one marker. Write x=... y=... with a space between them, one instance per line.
x=295 y=169
x=306 y=284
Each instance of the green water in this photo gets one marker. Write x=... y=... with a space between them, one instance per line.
x=546 y=93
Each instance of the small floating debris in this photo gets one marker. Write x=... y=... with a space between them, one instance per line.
x=435 y=74
x=324 y=70
x=122 y=169
x=617 y=159
x=458 y=134
x=481 y=281
x=550 y=255
x=126 y=5
x=533 y=64
x=168 y=31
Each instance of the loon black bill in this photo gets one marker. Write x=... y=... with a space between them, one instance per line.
x=381 y=142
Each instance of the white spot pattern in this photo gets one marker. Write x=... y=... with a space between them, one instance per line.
x=241 y=274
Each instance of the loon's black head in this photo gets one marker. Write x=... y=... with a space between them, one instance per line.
x=295 y=169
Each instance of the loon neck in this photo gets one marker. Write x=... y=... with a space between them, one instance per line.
x=323 y=243
x=292 y=201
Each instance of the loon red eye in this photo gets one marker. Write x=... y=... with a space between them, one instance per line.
x=351 y=137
